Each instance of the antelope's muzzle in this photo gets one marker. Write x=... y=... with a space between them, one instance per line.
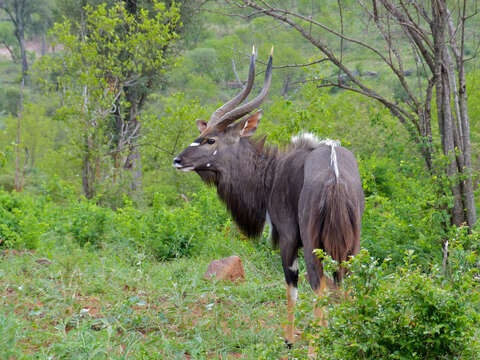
x=177 y=163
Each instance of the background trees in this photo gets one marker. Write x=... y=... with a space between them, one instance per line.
x=110 y=64
x=434 y=36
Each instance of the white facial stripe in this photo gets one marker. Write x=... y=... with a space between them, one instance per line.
x=194 y=144
x=215 y=152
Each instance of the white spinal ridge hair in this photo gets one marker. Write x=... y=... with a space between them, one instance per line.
x=333 y=154
x=306 y=137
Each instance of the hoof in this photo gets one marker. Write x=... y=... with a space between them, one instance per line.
x=288 y=344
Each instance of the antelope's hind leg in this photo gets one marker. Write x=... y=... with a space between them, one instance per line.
x=319 y=284
x=290 y=268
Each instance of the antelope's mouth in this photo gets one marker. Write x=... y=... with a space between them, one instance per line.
x=183 y=167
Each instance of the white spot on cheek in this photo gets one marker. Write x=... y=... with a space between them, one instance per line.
x=208 y=165
x=293 y=293
x=294 y=266
x=195 y=144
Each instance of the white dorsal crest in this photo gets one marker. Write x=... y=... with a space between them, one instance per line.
x=333 y=154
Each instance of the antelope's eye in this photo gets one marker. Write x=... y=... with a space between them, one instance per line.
x=211 y=141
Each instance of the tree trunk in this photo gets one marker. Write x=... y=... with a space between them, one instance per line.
x=133 y=161
x=44 y=42
x=18 y=172
x=134 y=164
x=455 y=135
x=20 y=35
x=88 y=174
x=462 y=117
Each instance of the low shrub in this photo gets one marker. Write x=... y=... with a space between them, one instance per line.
x=407 y=314
x=89 y=223
x=20 y=220
x=170 y=232
x=162 y=230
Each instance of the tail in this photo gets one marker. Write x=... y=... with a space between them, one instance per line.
x=337 y=224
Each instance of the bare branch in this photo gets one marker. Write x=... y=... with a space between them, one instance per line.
x=235 y=72
x=421 y=10
x=281 y=15
x=293 y=65
x=399 y=72
x=416 y=34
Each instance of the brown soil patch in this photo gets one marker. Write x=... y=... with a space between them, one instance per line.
x=14 y=252
x=90 y=306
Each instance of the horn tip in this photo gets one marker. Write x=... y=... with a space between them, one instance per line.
x=253 y=50
x=271 y=51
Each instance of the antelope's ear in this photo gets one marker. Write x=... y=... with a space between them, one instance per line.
x=201 y=125
x=250 y=124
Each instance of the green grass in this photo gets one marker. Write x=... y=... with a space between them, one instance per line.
x=114 y=303
x=8 y=71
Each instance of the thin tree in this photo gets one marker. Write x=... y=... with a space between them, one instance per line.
x=19 y=13
x=110 y=62
x=436 y=36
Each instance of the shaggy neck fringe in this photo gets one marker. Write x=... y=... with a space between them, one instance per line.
x=245 y=188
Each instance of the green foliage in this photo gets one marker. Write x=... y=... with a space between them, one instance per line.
x=204 y=60
x=9 y=99
x=11 y=333
x=21 y=223
x=87 y=222
x=8 y=40
x=401 y=212
x=169 y=125
x=408 y=314
x=119 y=46
x=107 y=68
x=171 y=232
x=161 y=230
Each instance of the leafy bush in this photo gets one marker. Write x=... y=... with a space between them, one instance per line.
x=20 y=221
x=408 y=314
x=401 y=212
x=89 y=223
x=170 y=232
x=163 y=230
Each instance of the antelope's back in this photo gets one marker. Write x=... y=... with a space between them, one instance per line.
x=319 y=170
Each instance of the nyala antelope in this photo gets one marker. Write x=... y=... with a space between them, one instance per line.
x=310 y=193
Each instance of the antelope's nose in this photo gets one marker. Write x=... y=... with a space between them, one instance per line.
x=177 y=162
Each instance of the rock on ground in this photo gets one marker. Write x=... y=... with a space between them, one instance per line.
x=229 y=269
